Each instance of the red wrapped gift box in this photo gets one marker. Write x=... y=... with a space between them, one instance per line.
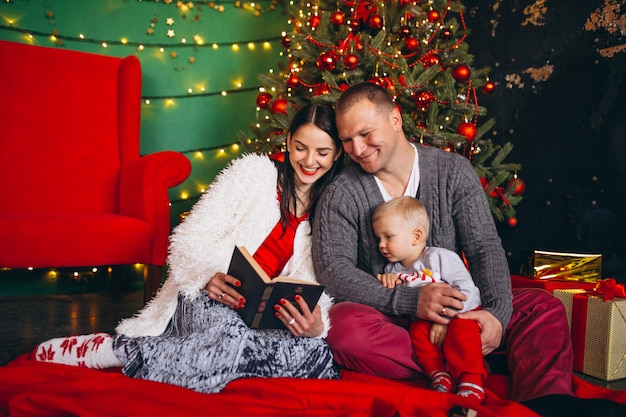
x=598 y=328
x=518 y=281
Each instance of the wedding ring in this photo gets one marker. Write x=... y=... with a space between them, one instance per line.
x=443 y=311
x=292 y=321
x=219 y=297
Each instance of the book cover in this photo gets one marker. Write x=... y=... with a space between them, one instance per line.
x=262 y=293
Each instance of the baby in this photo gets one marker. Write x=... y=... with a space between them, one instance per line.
x=446 y=353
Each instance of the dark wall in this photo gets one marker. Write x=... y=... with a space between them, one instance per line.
x=568 y=129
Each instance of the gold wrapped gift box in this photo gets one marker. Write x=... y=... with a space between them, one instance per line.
x=598 y=330
x=563 y=266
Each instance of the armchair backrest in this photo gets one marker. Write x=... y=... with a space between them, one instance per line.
x=66 y=129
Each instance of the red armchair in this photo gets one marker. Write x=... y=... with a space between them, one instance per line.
x=75 y=191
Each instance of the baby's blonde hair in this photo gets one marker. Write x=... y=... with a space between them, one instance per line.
x=410 y=208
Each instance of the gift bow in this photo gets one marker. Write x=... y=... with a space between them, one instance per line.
x=610 y=289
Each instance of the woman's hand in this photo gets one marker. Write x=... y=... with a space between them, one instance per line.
x=221 y=288
x=307 y=323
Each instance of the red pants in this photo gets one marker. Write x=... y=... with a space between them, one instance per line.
x=536 y=341
x=461 y=352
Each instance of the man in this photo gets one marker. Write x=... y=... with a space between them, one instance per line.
x=369 y=322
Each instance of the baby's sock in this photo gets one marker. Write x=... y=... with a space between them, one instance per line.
x=91 y=351
x=469 y=390
x=441 y=381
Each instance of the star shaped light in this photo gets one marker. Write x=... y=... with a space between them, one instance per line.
x=170 y=33
x=169 y=21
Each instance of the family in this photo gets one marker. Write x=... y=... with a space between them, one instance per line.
x=383 y=234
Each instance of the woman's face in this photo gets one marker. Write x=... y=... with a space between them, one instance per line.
x=312 y=153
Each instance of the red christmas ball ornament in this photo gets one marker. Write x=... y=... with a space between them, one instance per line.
x=326 y=61
x=485 y=185
x=279 y=106
x=263 y=100
x=468 y=130
x=375 y=21
x=430 y=59
x=445 y=34
x=489 y=87
x=411 y=44
x=314 y=21
x=277 y=155
x=516 y=186
x=293 y=80
x=461 y=73
x=285 y=41
x=402 y=80
x=433 y=16
x=351 y=61
x=512 y=222
x=337 y=18
x=404 y=32
x=344 y=86
x=384 y=82
x=322 y=89
x=423 y=99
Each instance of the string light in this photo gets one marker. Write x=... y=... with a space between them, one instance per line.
x=126 y=42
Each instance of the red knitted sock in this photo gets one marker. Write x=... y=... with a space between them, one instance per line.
x=473 y=391
x=441 y=381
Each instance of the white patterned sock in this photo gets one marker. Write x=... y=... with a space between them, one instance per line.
x=92 y=351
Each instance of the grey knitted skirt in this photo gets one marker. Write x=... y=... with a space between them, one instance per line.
x=206 y=345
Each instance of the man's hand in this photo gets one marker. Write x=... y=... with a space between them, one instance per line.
x=438 y=302
x=490 y=328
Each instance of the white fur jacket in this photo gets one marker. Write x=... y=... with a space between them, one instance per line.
x=239 y=208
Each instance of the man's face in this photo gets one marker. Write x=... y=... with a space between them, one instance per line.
x=369 y=135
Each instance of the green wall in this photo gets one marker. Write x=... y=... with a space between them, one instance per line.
x=183 y=106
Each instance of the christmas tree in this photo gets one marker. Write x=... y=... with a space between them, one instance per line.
x=414 y=48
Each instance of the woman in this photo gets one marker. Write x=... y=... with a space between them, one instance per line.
x=190 y=334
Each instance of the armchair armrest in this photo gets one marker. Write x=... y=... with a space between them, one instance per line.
x=144 y=186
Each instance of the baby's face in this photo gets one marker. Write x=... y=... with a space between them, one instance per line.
x=397 y=240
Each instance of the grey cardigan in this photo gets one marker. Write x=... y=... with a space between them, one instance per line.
x=345 y=250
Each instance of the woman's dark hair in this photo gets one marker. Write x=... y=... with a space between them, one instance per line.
x=321 y=115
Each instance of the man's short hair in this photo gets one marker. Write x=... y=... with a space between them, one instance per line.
x=365 y=90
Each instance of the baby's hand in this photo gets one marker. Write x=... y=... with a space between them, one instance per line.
x=389 y=280
x=438 y=333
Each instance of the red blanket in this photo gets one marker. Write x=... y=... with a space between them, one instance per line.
x=29 y=388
